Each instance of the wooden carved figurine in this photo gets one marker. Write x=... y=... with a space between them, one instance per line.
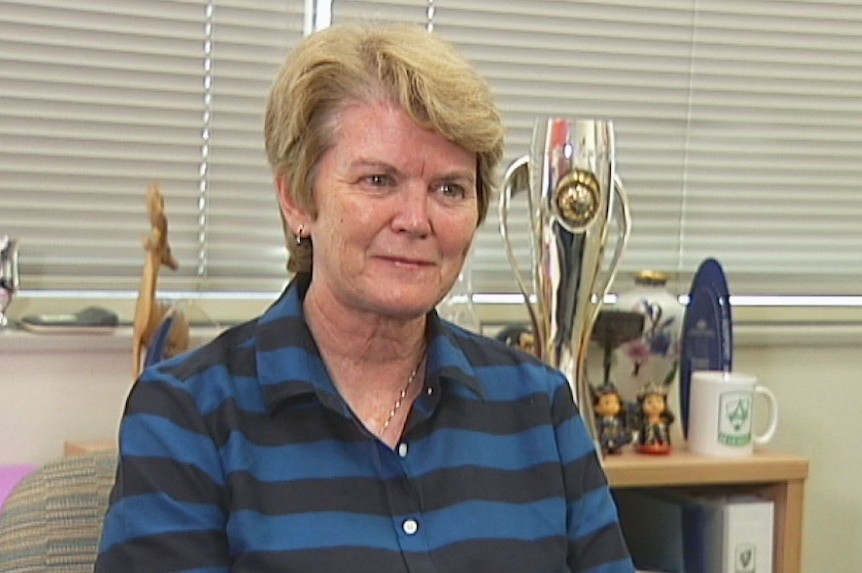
x=150 y=313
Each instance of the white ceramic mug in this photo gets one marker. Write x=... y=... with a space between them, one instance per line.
x=721 y=411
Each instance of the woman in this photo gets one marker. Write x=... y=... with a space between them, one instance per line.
x=348 y=428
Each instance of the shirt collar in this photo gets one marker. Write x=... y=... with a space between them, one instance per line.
x=447 y=360
x=290 y=367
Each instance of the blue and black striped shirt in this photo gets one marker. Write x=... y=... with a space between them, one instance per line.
x=241 y=456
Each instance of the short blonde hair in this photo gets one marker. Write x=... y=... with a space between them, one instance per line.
x=343 y=65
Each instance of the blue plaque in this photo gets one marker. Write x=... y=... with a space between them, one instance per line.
x=707 y=330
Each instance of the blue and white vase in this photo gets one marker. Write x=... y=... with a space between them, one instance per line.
x=654 y=357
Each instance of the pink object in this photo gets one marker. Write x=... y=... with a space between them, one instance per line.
x=10 y=476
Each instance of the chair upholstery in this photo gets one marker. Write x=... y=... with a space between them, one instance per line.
x=53 y=519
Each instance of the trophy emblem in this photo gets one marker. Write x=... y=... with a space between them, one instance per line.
x=574 y=196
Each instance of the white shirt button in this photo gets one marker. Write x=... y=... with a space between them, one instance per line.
x=410 y=526
x=402 y=450
x=430 y=390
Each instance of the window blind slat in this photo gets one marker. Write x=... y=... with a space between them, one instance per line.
x=101 y=99
x=738 y=130
x=244 y=240
x=737 y=125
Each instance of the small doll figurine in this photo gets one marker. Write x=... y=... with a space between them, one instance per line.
x=654 y=420
x=610 y=419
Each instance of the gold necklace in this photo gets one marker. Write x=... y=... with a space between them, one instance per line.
x=401 y=396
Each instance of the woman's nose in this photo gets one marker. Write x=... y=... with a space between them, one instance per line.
x=413 y=215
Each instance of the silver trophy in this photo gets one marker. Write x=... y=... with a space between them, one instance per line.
x=573 y=196
x=8 y=275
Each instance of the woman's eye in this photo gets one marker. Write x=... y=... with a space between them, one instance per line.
x=378 y=180
x=452 y=190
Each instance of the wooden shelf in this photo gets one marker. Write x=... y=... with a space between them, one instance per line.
x=78 y=447
x=682 y=467
x=772 y=475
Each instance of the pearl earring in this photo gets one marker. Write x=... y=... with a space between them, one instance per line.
x=299 y=234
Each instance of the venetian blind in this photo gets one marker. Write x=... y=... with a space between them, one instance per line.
x=101 y=98
x=738 y=124
x=739 y=130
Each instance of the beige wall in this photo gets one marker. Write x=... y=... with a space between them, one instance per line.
x=819 y=389
x=53 y=389
x=57 y=387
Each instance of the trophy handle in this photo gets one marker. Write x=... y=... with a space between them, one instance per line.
x=584 y=389
x=624 y=225
x=517 y=178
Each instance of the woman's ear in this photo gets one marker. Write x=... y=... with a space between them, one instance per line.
x=294 y=215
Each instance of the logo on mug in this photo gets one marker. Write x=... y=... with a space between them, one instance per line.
x=734 y=418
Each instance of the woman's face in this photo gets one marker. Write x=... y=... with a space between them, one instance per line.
x=396 y=213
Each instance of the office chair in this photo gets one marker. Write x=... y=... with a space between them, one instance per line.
x=52 y=520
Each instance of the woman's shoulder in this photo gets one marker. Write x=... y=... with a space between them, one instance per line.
x=215 y=363
x=496 y=362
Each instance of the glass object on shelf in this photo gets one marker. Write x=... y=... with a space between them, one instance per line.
x=8 y=275
x=458 y=305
